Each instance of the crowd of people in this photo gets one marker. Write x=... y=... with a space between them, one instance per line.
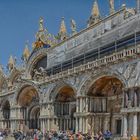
x=37 y=134
x=4 y=134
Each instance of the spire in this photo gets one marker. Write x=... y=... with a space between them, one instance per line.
x=62 y=26
x=95 y=10
x=11 y=63
x=26 y=52
x=63 y=31
x=95 y=14
x=41 y=24
x=111 y=5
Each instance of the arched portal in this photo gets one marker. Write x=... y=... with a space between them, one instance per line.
x=6 y=113
x=27 y=99
x=34 y=115
x=64 y=108
x=105 y=99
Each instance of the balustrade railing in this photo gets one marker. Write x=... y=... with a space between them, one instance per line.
x=113 y=58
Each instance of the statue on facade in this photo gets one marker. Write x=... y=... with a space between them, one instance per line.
x=73 y=27
x=111 y=4
x=42 y=71
x=11 y=63
x=37 y=74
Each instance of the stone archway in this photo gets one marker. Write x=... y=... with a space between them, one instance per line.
x=27 y=98
x=105 y=100
x=34 y=115
x=64 y=108
x=6 y=113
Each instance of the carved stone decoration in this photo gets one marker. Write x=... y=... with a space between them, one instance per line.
x=76 y=80
x=121 y=69
x=130 y=71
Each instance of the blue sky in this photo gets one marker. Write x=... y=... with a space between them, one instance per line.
x=19 y=20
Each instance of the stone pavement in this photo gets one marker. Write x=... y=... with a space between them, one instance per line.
x=9 y=138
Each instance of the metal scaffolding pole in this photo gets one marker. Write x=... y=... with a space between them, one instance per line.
x=135 y=38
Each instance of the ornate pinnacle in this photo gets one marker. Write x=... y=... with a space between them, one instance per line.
x=62 y=26
x=95 y=10
x=11 y=63
x=111 y=4
x=41 y=24
x=95 y=14
x=62 y=32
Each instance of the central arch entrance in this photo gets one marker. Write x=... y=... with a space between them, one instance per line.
x=34 y=115
x=6 y=113
x=64 y=108
x=28 y=100
x=106 y=96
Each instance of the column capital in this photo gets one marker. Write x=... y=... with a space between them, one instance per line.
x=134 y=113
x=124 y=114
x=81 y=96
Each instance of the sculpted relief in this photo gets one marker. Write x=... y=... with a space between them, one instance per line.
x=130 y=72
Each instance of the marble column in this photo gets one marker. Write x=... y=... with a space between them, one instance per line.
x=77 y=124
x=43 y=121
x=135 y=99
x=106 y=122
x=48 y=128
x=80 y=124
x=81 y=108
x=87 y=100
x=135 y=124
x=86 y=124
x=64 y=125
x=77 y=105
x=125 y=125
x=70 y=121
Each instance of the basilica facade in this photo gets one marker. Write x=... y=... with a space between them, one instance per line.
x=87 y=81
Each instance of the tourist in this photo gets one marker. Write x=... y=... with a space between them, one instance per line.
x=96 y=136
x=38 y=135
x=133 y=137
x=1 y=136
x=100 y=137
x=107 y=135
x=80 y=137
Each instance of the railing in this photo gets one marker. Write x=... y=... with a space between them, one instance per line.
x=111 y=59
